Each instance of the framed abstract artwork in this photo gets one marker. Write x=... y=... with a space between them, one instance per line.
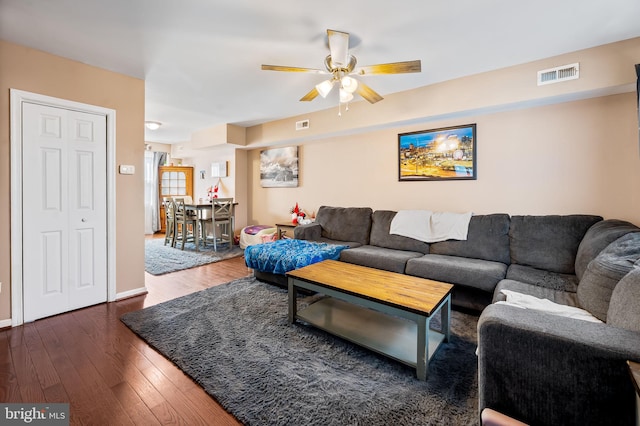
x=279 y=167
x=447 y=153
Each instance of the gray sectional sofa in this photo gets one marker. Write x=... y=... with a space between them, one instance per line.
x=532 y=249
x=534 y=366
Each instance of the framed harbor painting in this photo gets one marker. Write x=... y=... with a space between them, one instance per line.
x=279 y=167
x=447 y=153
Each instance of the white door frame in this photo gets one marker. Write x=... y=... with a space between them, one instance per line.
x=17 y=97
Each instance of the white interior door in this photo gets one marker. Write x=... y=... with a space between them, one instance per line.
x=64 y=210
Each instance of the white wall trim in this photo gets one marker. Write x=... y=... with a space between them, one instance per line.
x=131 y=293
x=5 y=323
x=17 y=98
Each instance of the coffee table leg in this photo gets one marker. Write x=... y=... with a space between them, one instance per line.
x=293 y=293
x=445 y=318
x=422 y=360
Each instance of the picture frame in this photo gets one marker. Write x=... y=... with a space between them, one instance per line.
x=219 y=169
x=279 y=167
x=446 y=153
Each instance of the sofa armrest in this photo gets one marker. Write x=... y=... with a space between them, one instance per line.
x=311 y=232
x=545 y=369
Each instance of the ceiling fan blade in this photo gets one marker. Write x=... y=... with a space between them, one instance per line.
x=391 y=68
x=292 y=69
x=310 y=96
x=368 y=93
x=339 y=47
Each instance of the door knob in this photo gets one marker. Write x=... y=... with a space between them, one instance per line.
x=83 y=219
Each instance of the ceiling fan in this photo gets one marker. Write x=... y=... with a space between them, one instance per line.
x=342 y=68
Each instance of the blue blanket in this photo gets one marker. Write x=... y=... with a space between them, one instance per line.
x=282 y=256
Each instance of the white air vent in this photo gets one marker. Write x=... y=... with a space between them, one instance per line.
x=558 y=74
x=301 y=125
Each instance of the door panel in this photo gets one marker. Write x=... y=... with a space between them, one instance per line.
x=51 y=255
x=51 y=175
x=44 y=195
x=87 y=209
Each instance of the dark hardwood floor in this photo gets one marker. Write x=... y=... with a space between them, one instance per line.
x=90 y=359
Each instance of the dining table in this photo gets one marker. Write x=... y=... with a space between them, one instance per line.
x=203 y=211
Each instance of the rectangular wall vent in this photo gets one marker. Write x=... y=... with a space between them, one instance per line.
x=558 y=74
x=301 y=125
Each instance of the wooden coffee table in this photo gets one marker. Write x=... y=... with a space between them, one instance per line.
x=383 y=311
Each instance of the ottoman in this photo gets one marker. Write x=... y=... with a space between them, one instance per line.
x=271 y=261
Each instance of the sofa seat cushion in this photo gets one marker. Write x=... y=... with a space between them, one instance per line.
x=379 y=257
x=477 y=273
x=548 y=242
x=597 y=238
x=605 y=271
x=624 y=307
x=546 y=279
x=487 y=239
x=345 y=223
x=380 y=225
x=556 y=296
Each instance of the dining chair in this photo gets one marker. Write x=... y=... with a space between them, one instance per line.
x=170 y=219
x=186 y=223
x=222 y=222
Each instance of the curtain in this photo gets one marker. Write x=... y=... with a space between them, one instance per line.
x=152 y=161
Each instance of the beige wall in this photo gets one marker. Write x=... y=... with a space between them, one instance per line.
x=606 y=69
x=234 y=185
x=573 y=157
x=35 y=71
x=562 y=148
x=202 y=162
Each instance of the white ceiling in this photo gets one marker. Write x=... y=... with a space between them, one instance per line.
x=201 y=59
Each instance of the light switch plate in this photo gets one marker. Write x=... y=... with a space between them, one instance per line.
x=127 y=170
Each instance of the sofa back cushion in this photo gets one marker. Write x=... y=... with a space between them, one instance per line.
x=605 y=271
x=624 y=308
x=599 y=236
x=345 y=223
x=487 y=239
x=548 y=242
x=381 y=223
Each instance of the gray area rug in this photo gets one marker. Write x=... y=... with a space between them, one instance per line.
x=235 y=341
x=160 y=259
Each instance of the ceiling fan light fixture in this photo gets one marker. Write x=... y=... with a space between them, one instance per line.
x=341 y=65
x=345 y=96
x=152 y=125
x=325 y=87
x=349 y=84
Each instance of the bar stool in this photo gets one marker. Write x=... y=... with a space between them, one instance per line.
x=186 y=223
x=222 y=222
x=170 y=219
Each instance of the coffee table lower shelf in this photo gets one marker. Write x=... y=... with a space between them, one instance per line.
x=394 y=337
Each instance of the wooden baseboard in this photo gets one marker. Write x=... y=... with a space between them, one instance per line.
x=131 y=293
x=5 y=323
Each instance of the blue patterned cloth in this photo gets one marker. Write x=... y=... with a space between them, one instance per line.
x=282 y=256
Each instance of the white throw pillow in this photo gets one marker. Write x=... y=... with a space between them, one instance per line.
x=526 y=301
